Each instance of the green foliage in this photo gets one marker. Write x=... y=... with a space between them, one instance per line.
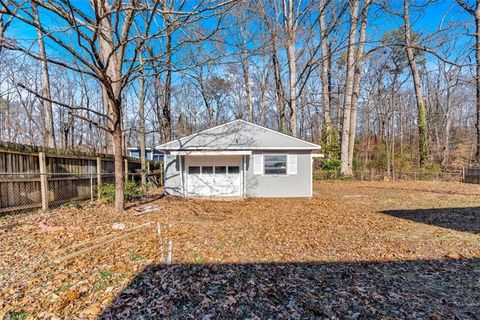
x=394 y=44
x=331 y=164
x=107 y=192
x=357 y=162
x=130 y=191
x=16 y=315
x=432 y=168
x=104 y=275
x=135 y=256
x=331 y=144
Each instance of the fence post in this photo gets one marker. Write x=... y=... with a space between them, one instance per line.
x=99 y=174
x=43 y=180
x=91 y=187
x=162 y=177
x=126 y=170
x=10 y=192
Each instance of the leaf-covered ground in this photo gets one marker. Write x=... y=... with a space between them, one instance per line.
x=356 y=250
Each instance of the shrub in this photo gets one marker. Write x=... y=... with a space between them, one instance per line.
x=131 y=191
x=331 y=164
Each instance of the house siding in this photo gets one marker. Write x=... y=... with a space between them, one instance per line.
x=173 y=175
x=298 y=185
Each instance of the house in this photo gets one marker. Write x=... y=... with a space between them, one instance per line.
x=238 y=159
x=150 y=154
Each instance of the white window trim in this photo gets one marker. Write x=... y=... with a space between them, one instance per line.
x=275 y=175
x=214 y=173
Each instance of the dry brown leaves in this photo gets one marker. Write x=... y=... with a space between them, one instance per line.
x=351 y=251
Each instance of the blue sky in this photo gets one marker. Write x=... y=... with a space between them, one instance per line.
x=424 y=21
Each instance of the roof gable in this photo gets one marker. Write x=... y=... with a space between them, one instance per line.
x=238 y=135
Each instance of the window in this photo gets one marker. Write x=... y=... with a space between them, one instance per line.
x=193 y=170
x=135 y=153
x=275 y=164
x=233 y=170
x=220 y=170
x=207 y=170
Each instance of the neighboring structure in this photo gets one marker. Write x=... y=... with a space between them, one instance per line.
x=239 y=159
x=152 y=155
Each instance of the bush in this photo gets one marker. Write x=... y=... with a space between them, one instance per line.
x=106 y=192
x=131 y=191
x=331 y=164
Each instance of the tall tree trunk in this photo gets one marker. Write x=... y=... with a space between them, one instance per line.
x=111 y=88
x=49 y=135
x=477 y=58
x=141 y=133
x=292 y=64
x=248 y=87
x=119 y=163
x=346 y=168
x=421 y=108
x=263 y=101
x=324 y=77
x=2 y=31
x=167 y=107
x=448 y=125
x=278 y=87
x=356 y=82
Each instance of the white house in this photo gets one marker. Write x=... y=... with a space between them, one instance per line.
x=238 y=159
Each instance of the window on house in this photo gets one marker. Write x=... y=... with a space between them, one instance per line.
x=275 y=164
x=207 y=170
x=234 y=170
x=193 y=170
x=220 y=170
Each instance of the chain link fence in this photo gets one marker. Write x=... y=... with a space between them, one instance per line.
x=22 y=192
x=389 y=176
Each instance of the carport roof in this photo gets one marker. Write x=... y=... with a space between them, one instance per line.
x=238 y=135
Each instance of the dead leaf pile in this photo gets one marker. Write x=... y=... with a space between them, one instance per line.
x=335 y=255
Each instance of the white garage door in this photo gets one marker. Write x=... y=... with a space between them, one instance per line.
x=213 y=176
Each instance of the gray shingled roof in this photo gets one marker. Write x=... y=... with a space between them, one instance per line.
x=238 y=135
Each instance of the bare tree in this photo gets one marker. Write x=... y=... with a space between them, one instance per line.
x=48 y=134
x=359 y=55
x=325 y=74
x=421 y=108
x=141 y=127
x=105 y=49
x=475 y=12
x=346 y=167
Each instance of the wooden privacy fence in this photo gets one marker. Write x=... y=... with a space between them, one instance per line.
x=34 y=177
x=472 y=175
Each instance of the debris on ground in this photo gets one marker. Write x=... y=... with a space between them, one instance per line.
x=145 y=209
x=376 y=256
x=44 y=227
x=118 y=226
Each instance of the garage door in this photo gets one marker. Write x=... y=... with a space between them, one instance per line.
x=213 y=176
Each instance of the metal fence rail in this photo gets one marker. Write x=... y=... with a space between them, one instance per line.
x=378 y=175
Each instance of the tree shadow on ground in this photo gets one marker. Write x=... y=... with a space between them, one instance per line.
x=460 y=219
x=355 y=290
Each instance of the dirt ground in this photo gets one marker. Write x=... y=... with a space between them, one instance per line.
x=357 y=250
